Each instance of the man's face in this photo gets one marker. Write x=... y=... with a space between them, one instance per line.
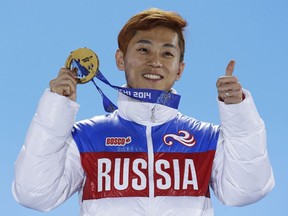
x=152 y=59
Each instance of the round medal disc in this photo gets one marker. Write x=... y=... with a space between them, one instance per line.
x=85 y=58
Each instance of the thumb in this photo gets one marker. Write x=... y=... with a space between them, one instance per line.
x=230 y=68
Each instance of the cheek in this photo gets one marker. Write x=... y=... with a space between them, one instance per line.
x=133 y=60
x=130 y=72
x=131 y=65
x=179 y=67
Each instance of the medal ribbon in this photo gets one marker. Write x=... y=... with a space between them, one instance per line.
x=146 y=95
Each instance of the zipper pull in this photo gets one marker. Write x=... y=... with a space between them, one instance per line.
x=153 y=115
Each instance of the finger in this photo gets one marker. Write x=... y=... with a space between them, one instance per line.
x=66 y=82
x=226 y=80
x=64 y=90
x=65 y=76
x=63 y=83
x=230 y=90
x=230 y=68
x=231 y=96
x=67 y=72
x=233 y=86
x=232 y=100
x=61 y=90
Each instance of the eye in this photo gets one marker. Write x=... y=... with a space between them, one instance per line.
x=168 y=54
x=142 y=50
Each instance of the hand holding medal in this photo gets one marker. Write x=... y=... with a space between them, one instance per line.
x=85 y=65
x=80 y=67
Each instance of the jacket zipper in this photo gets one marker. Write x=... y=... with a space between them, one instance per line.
x=150 y=167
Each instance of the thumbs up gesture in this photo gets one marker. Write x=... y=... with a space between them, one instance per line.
x=228 y=86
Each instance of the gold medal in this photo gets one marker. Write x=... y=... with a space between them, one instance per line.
x=85 y=62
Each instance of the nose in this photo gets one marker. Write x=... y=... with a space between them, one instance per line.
x=154 y=61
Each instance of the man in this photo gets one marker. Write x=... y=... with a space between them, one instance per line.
x=144 y=158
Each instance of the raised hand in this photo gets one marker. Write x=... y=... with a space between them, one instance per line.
x=228 y=86
x=65 y=84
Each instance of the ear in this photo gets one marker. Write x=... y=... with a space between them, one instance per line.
x=119 y=59
x=180 y=70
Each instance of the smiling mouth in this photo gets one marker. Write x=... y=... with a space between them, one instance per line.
x=152 y=76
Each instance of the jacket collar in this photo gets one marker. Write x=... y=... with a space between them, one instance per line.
x=144 y=113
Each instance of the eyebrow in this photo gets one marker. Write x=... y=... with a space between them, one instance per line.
x=149 y=42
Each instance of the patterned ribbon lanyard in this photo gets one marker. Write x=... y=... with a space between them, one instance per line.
x=86 y=66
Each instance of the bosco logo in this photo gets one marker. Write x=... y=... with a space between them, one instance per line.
x=117 y=141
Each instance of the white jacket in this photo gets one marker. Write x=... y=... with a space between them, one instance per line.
x=48 y=169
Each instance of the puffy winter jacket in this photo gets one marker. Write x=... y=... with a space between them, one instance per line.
x=143 y=159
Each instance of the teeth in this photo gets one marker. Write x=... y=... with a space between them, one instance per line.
x=152 y=76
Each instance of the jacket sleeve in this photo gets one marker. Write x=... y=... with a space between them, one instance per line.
x=48 y=169
x=242 y=173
